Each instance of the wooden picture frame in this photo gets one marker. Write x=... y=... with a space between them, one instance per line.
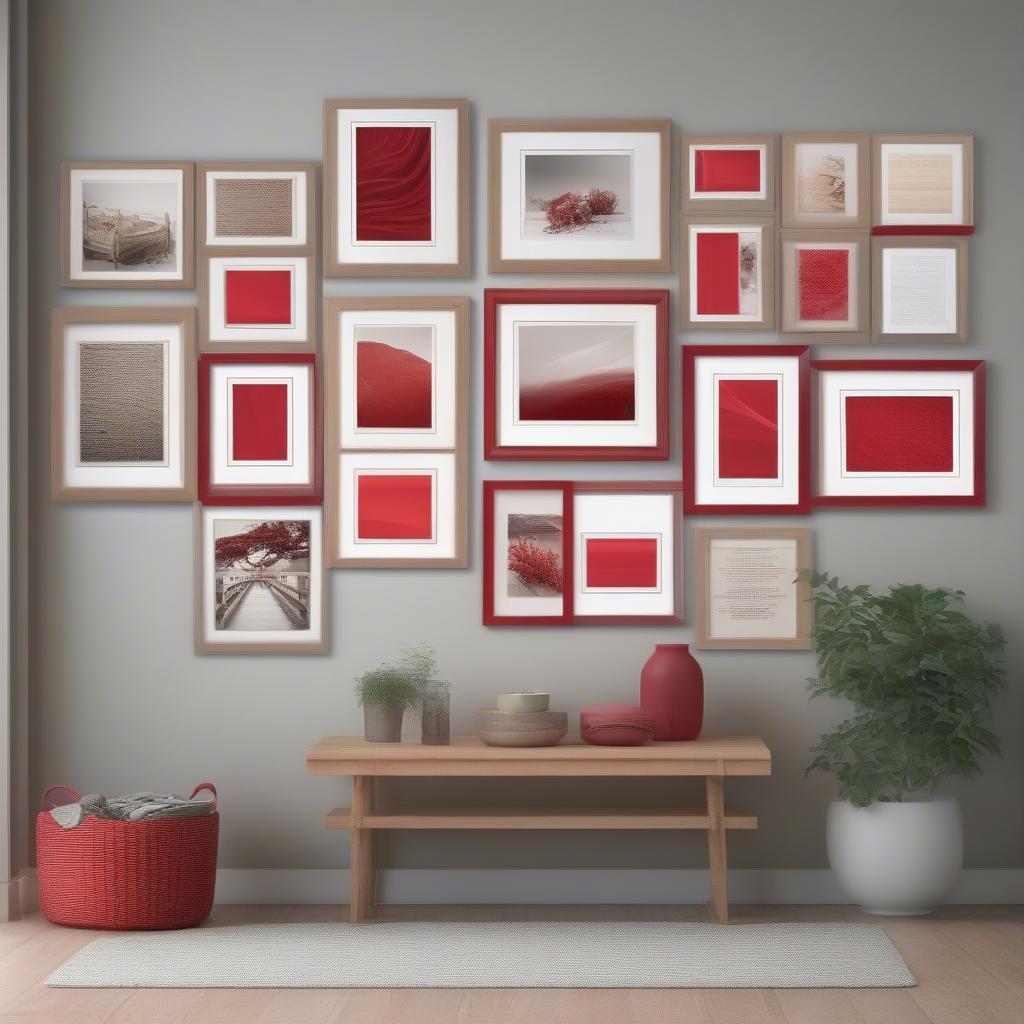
x=824 y=157
x=450 y=442
x=121 y=226
x=743 y=188
x=708 y=636
x=645 y=140
x=448 y=236
x=178 y=416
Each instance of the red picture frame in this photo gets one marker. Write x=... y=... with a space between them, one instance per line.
x=211 y=493
x=802 y=505
x=495 y=298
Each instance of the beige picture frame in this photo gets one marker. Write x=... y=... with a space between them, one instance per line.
x=695 y=205
x=792 y=218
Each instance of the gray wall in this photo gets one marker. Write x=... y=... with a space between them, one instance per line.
x=120 y=701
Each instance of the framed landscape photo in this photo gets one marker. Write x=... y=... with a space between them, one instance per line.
x=259 y=430
x=900 y=432
x=579 y=196
x=126 y=225
x=727 y=273
x=728 y=173
x=396 y=188
x=923 y=184
x=259 y=581
x=746 y=429
x=826 y=285
x=919 y=289
x=123 y=396
x=748 y=594
x=576 y=374
x=826 y=180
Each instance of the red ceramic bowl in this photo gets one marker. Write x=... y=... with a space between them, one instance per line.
x=616 y=725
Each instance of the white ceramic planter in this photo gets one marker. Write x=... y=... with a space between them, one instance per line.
x=896 y=858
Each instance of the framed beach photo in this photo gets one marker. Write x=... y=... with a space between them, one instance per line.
x=728 y=173
x=123 y=397
x=579 y=196
x=396 y=188
x=826 y=180
x=576 y=374
x=126 y=225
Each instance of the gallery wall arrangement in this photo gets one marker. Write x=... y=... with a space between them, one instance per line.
x=353 y=453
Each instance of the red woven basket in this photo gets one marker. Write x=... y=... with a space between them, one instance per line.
x=126 y=875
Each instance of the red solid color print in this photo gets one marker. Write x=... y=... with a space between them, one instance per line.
x=396 y=506
x=259 y=422
x=718 y=272
x=621 y=562
x=824 y=284
x=394 y=387
x=257 y=297
x=748 y=429
x=393 y=188
x=899 y=433
x=727 y=170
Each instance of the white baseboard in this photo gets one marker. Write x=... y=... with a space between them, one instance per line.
x=19 y=896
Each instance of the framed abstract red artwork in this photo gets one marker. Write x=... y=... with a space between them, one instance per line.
x=259 y=430
x=576 y=374
x=900 y=432
x=746 y=429
x=728 y=173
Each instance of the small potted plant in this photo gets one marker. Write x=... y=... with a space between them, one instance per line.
x=385 y=692
x=922 y=677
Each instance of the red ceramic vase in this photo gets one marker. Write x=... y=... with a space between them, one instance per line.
x=672 y=691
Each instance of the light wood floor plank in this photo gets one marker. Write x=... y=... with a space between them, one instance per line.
x=817 y=1006
x=157 y=1006
x=749 y=1006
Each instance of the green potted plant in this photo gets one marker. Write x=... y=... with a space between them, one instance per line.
x=385 y=692
x=922 y=677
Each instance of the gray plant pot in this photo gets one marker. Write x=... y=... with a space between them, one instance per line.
x=382 y=723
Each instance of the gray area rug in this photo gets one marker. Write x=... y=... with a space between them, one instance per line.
x=492 y=955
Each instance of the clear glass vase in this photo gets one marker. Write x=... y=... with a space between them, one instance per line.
x=437 y=718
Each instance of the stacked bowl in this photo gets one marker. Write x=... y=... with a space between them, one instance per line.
x=522 y=720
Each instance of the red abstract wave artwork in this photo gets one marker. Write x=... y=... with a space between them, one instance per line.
x=393 y=188
x=621 y=563
x=727 y=170
x=257 y=297
x=748 y=429
x=824 y=284
x=899 y=433
x=718 y=272
x=395 y=506
x=259 y=422
x=608 y=395
x=394 y=387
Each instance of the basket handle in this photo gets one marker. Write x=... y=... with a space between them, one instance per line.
x=57 y=796
x=205 y=785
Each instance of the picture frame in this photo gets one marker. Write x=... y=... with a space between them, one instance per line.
x=242 y=603
x=257 y=205
x=900 y=432
x=423 y=436
x=138 y=217
x=919 y=289
x=826 y=181
x=748 y=596
x=923 y=183
x=578 y=373
x=746 y=430
x=825 y=291
x=728 y=173
x=727 y=273
x=562 y=195
x=123 y=400
x=373 y=230
x=260 y=439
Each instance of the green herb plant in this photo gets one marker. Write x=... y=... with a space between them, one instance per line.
x=402 y=683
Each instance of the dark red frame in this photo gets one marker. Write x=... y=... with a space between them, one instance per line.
x=690 y=355
x=220 y=494
x=977 y=499
x=923 y=229
x=495 y=297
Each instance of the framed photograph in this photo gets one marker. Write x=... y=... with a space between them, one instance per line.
x=123 y=396
x=728 y=173
x=257 y=302
x=919 y=289
x=826 y=285
x=397 y=427
x=257 y=206
x=727 y=273
x=746 y=429
x=923 y=184
x=126 y=225
x=396 y=196
x=748 y=595
x=900 y=432
x=259 y=581
x=259 y=430
x=825 y=180
x=579 y=196
x=576 y=374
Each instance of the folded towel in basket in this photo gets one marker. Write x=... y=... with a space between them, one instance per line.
x=131 y=807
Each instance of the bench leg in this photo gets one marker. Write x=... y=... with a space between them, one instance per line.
x=363 y=867
x=719 y=902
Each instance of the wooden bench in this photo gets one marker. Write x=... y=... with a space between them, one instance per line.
x=711 y=757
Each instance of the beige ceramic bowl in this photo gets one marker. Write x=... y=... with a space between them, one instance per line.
x=521 y=728
x=524 y=700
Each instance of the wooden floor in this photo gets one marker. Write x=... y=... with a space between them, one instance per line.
x=969 y=962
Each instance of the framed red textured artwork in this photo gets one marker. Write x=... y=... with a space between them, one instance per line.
x=576 y=374
x=900 y=432
x=259 y=430
x=746 y=429
x=728 y=173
